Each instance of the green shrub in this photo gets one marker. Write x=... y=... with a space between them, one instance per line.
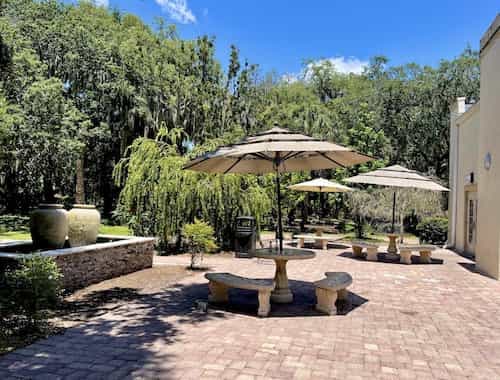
x=383 y=227
x=14 y=223
x=199 y=237
x=345 y=226
x=433 y=230
x=31 y=289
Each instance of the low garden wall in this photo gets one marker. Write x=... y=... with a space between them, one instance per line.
x=110 y=257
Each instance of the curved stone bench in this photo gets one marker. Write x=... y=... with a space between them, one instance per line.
x=424 y=250
x=371 y=249
x=331 y=288
x=219 y=284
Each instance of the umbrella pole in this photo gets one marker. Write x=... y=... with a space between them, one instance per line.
x=280 y=223
x=278 y=191
x=393 y=210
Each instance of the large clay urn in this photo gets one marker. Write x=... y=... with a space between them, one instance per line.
x=49 y=226
x=84 y=222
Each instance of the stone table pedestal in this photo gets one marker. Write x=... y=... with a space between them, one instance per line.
x=392 y=249
x=282 y=292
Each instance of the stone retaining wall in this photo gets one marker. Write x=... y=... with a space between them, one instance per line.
x=82 y=266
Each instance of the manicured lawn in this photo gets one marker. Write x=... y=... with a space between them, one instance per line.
x=104 y=230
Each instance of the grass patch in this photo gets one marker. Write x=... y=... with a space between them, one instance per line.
x=115 y=230
x=104 y=230
x=15 y=235
x=376 y=238
x=380 y=237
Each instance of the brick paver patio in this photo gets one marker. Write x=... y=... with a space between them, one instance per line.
x=437 y=321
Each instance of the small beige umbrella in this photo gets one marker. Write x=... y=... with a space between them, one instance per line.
x=277 y=150
x=320 y=185
x=397 y=176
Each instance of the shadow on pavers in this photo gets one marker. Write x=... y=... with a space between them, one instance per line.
x=245 y=302
x=311 y=245
x=415 y=259
x=121 y=327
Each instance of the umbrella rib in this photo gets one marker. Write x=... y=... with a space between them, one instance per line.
x=291 y=155
x=234 y=164
x=261 y=156
x=194 y=163
x=332 y=160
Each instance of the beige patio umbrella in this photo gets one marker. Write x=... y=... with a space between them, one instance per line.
x=399 y=177
x=277 y=150
x=320 y=185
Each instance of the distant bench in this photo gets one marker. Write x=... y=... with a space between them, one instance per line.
x=371 y=249
x=322 y=239
x=424 y=250
x=219 y=284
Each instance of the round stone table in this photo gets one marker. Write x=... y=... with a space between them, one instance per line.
x=392 y=249
x=282 y=292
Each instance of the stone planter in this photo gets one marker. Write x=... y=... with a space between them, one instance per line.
x=83 y=225
x=49 y=226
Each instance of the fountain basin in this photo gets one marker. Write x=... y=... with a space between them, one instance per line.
x=111 y=256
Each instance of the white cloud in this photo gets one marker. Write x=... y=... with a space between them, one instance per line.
x=102 y=3
x=346 y=65
x=178 y=10
x=343 y=65
x=291 y=77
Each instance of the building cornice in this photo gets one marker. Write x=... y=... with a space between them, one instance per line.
x=467 y=114
x=490 y=33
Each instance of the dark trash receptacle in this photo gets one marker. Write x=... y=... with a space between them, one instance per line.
x=245 y=236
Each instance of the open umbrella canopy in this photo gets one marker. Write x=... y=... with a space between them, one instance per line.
x=277 y=149
x=397 y=176
x=320 y=185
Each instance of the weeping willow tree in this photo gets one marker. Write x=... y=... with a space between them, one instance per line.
x=160 y=197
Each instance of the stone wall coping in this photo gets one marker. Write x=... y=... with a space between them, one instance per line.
x=122 y=241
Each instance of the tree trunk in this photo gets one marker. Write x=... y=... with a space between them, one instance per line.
x=305 y=212
x=48 y=189
x=80 y=180
x=402 y=228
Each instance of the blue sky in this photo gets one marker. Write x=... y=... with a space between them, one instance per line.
x=279 y=35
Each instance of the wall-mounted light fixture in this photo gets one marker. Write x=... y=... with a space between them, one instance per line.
x=487 y=161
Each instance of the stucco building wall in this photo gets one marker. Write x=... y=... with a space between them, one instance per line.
x=464 y=166
x=488 y=238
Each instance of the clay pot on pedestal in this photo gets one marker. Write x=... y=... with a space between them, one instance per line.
x=83 y=225
x=49 y=226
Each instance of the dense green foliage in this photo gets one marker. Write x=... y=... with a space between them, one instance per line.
x=433 y=230
x=199 y=238
x=158 y=197
x=374 y=206
x=83 y=84
x=30 y=290
x=14 y=223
